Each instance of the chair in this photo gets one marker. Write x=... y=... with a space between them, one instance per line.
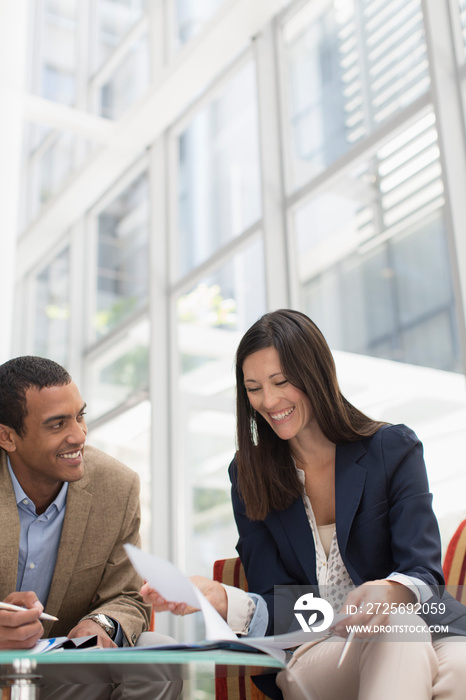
x=231 y=572
x=454 y=564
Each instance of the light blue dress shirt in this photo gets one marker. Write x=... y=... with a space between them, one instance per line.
x=260 y=619
x=39 y=540
x=38 y=545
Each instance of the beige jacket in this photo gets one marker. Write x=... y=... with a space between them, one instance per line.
x=92 y=572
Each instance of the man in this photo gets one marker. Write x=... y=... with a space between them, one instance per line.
x=65 y=513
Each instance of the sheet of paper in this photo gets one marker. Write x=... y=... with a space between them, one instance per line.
x=173 y=585
x=166 y=578
x=48 y=644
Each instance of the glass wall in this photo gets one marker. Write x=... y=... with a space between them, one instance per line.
x=211 y=318
x=128 y=81
x=349 y=67
x=58 y=50
x=218 y=172
x=119 y=372
x=174 y=250
x=191 y=16
x=115 y=18
x=373 y=255
x=122 y=257
x=52 y=309
x=127 y=438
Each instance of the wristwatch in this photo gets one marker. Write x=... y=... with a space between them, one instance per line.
x=104 y=621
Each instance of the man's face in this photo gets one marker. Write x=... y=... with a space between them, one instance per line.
x=50 y=450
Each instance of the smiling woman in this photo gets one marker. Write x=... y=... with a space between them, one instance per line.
x=324 y=496
x=286 y=379
x=328 y=501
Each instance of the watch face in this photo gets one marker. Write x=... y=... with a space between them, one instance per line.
x=106 y=623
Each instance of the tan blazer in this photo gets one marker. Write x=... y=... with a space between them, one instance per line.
x=92 y=572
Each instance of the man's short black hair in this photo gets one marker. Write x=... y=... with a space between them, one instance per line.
x=16 y=377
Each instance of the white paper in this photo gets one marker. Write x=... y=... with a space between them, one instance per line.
x=173 y=585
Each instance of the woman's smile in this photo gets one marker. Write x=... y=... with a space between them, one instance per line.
x=279 y=417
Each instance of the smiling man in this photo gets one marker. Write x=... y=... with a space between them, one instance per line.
x=65 y=513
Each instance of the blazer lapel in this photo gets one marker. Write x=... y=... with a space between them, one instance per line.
x=297 y=531
x=10 y=529
x=350 y=478
x=78 y=503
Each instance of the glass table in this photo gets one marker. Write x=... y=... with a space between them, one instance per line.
x=26 y=676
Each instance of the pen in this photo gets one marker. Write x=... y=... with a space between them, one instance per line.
x=348 y=641
x=10 y=606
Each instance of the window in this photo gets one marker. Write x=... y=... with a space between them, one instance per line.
x=127 y=438
x=115 y=18
x=55 y=165
x=119 y=372
x=58 y=51
x=191 y=16
x=349 y=67
x=219 y=178
x=52 y=309
x=211 y=318
x=128 y=82
x=122 y=250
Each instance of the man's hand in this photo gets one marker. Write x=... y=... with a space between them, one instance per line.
x=213 y=591
x=87 y=628
x=21 y=629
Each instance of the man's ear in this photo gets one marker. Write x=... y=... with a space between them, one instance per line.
x=8 y=438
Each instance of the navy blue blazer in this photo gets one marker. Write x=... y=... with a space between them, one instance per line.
x=384 y=524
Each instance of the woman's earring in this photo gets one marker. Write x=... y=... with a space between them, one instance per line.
x=254 y=432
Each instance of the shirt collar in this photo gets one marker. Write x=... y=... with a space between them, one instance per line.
x=20 y=495
x=299 y=472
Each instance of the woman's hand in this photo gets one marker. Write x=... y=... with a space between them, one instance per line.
x=212 y=590
x=161 y=604
x=371 y=604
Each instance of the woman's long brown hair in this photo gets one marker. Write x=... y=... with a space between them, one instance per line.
x=267 y=479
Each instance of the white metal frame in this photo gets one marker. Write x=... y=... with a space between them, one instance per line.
x=450 y=118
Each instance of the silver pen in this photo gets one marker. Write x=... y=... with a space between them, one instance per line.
x=348 y=641
x=10 y=606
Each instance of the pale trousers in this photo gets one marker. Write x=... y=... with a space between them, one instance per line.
x=386 y=667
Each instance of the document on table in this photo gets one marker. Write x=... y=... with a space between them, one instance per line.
x=56 y=643
x=173 y=585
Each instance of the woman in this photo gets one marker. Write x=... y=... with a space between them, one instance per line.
x=325 y=496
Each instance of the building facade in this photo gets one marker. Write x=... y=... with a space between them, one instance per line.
x=187 y=166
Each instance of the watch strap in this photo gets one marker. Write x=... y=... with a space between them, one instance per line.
x=103 y=621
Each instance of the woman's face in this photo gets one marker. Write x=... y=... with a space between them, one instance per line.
x=285 y=408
